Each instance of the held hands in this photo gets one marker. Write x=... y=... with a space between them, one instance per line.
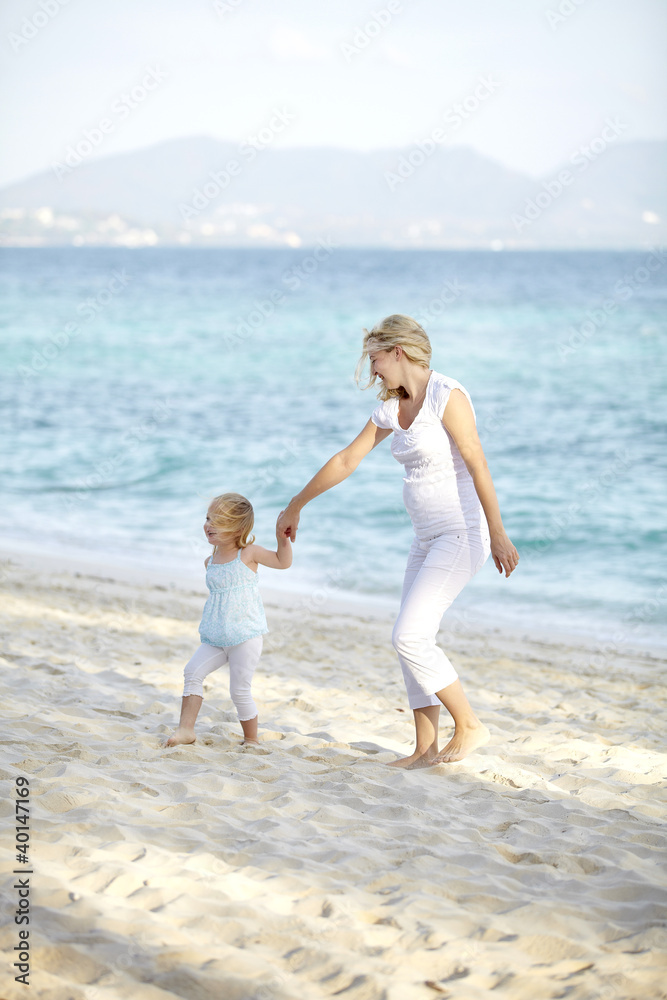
x=505 y=556
x=287 y=523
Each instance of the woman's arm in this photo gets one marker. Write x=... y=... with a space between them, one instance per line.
x=338 y=468
x=459 y=421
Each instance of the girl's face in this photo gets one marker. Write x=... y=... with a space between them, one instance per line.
x=386 y=366
x=216 y=536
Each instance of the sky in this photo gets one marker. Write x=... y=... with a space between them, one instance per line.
x=533 y=79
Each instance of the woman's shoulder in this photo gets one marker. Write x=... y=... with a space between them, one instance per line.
x=441 y=387
x=445 y=383
x=385 y=412
x=437 y=379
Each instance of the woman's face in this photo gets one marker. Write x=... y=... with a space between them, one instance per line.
x=385 y=365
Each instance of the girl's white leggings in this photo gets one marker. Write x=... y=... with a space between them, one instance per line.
x=437 y=571
x=242 y=661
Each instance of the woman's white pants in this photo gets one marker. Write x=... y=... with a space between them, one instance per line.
x=242 y=661
x=437 y=571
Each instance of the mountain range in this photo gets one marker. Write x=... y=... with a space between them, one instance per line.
x=202 y=191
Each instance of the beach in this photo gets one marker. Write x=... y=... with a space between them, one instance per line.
x=306 y=867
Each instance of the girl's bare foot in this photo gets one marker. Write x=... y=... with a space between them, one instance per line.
x=180 y=736
x=463 y=742
x=426 y=757
x=249 y=727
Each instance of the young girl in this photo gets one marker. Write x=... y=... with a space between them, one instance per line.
x=233 y=621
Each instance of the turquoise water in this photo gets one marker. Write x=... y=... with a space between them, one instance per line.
x=139 y=383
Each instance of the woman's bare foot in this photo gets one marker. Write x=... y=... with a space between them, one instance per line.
x=463 y=742
x=180 y=736
x=413 y=760
x=247 y=741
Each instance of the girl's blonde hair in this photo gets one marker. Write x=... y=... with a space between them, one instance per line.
x=394 y=331
x=233 y=515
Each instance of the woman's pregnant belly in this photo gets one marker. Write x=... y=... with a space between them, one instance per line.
x=438 y=504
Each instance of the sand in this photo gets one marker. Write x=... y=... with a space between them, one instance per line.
x=306 y=867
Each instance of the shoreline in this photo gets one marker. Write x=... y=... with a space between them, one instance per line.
x=329 y=599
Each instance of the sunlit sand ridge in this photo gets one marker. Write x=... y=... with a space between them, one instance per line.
x=306 y=867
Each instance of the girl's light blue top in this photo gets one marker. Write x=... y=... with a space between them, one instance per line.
x=234 y=611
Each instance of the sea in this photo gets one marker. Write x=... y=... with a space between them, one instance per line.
x=140 y=383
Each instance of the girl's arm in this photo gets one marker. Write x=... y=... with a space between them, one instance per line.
x=459 y=421
x=338 y=468
x=281 y=559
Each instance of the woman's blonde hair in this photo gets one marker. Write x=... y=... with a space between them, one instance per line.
x=394 y=331
x=232 y=514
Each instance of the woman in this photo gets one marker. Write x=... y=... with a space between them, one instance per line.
x=449 y=495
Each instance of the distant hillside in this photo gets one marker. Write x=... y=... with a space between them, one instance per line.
x=448 y=196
